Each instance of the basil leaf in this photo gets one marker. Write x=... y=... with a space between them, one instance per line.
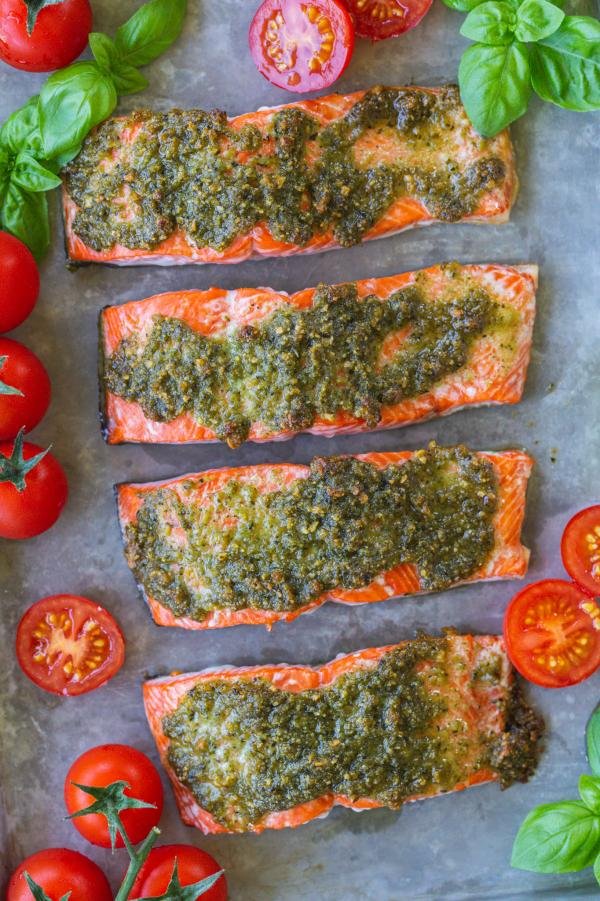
x=22 y=128
x=104 y=50
x=128 y=79
x=492 y=22
x=150 y=31
x=589 y=792
x=592 y=741
x=30 y=174
x=597 y=869
x=565 y=67
x=72 y=102
x=34 y=7
x=462 y=6
x=557 y=838
x=25 y=215
x=537 y=19
x=494 y=85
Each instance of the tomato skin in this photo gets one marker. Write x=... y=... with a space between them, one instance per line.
x=19 y=281
x=99 y=767
x=580 y=548
x=38 y=634
x=59 y=871
x=552 y=633
x=24 y=371
x=312 y=49
x=193 y=864
x=24 y=514
x=59 y=35
x=372 y=22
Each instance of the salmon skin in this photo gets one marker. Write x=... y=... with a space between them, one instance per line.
x=451 y=150
x=493 y=735
x=493 y=374
x=201 y=492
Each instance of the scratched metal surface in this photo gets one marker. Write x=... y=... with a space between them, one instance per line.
x=456 y=846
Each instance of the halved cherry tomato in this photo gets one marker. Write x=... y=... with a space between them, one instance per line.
x=60 y=873
x=580 y=549
x=68 y=645
x=301 y=46
x=192 y=866
x=102 y=766
x=380 y=19
x=24 y=389
x=19 y=282
x=40 y=37
x=552 y=633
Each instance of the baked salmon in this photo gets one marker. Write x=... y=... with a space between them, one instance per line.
x=192 y=366
x=261 y=544
x=197 y=187
x=274 y=746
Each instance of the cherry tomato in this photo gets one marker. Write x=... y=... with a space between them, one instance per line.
x=69 y=645
x=24 y=389
x=19 y=280
x=301 y=46
x=580 y=549
x=552 y=633
x=60 y=872
x=58 y=36
x=31 y=502
x=380 y=19
x=101 y=766
x=192 y=866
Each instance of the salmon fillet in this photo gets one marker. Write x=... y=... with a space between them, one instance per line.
x=507 y=559
x=455 y=148
x=494 y=373
x=485 y=728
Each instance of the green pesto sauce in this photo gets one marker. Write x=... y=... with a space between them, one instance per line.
x=343 y=525
x=299 y=365
x=190 y=171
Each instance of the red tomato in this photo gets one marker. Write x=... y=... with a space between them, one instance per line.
x=301 y=46
x=69 y=645
x=380 y=19
x=552 y=633
x=101 y=766
x=60 y=872
x=192 y=866
x=29 y=506
x=24 y=389
x=580 y=549
x=58 y=36
x=19 y=279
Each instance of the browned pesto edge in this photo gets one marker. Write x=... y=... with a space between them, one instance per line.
x=381 y=733
x=340 y=527
x=181 y=179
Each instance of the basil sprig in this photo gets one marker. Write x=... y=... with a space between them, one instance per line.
x=523 y=45
x=565 y=836
x=44 y=134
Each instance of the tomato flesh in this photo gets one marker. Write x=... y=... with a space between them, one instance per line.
x=552 y=633
x=68 y=645
x=301 y=46
x=193 y=864
x=58 y=37
x=580 y=549
x=19 y=282
x=380 y=19
x=60 y=872
x=21 y=371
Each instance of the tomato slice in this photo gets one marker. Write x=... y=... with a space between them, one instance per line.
x=380 y=19
x=301 y=46
x=552 y=633
x=580 y=549
x=68 y=645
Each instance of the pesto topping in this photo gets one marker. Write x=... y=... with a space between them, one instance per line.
x=299 y=365
x=340 y=527
x=191 y=171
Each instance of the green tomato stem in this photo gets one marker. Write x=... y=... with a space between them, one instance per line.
x=137 y=860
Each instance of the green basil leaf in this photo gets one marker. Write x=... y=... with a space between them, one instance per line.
x=565 y=67
x=30 y=174
x=22 y=129
x=462 y=6
x=557 y=838
x=537 y=19
x=494 y=85
x=597 y=869
x=25 y=215
x=589 y=792
x=150 y=31
x=492 y=22
x=592 y=741
x=128 y=79
x=72 y=102
x=33 y=9
x=104 y=50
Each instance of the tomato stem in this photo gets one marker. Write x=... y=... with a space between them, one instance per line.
x=14 y=468
x=138 y=859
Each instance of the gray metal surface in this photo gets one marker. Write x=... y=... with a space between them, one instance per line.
x=455 y=847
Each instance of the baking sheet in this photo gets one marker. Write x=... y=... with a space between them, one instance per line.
x=454 y=847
